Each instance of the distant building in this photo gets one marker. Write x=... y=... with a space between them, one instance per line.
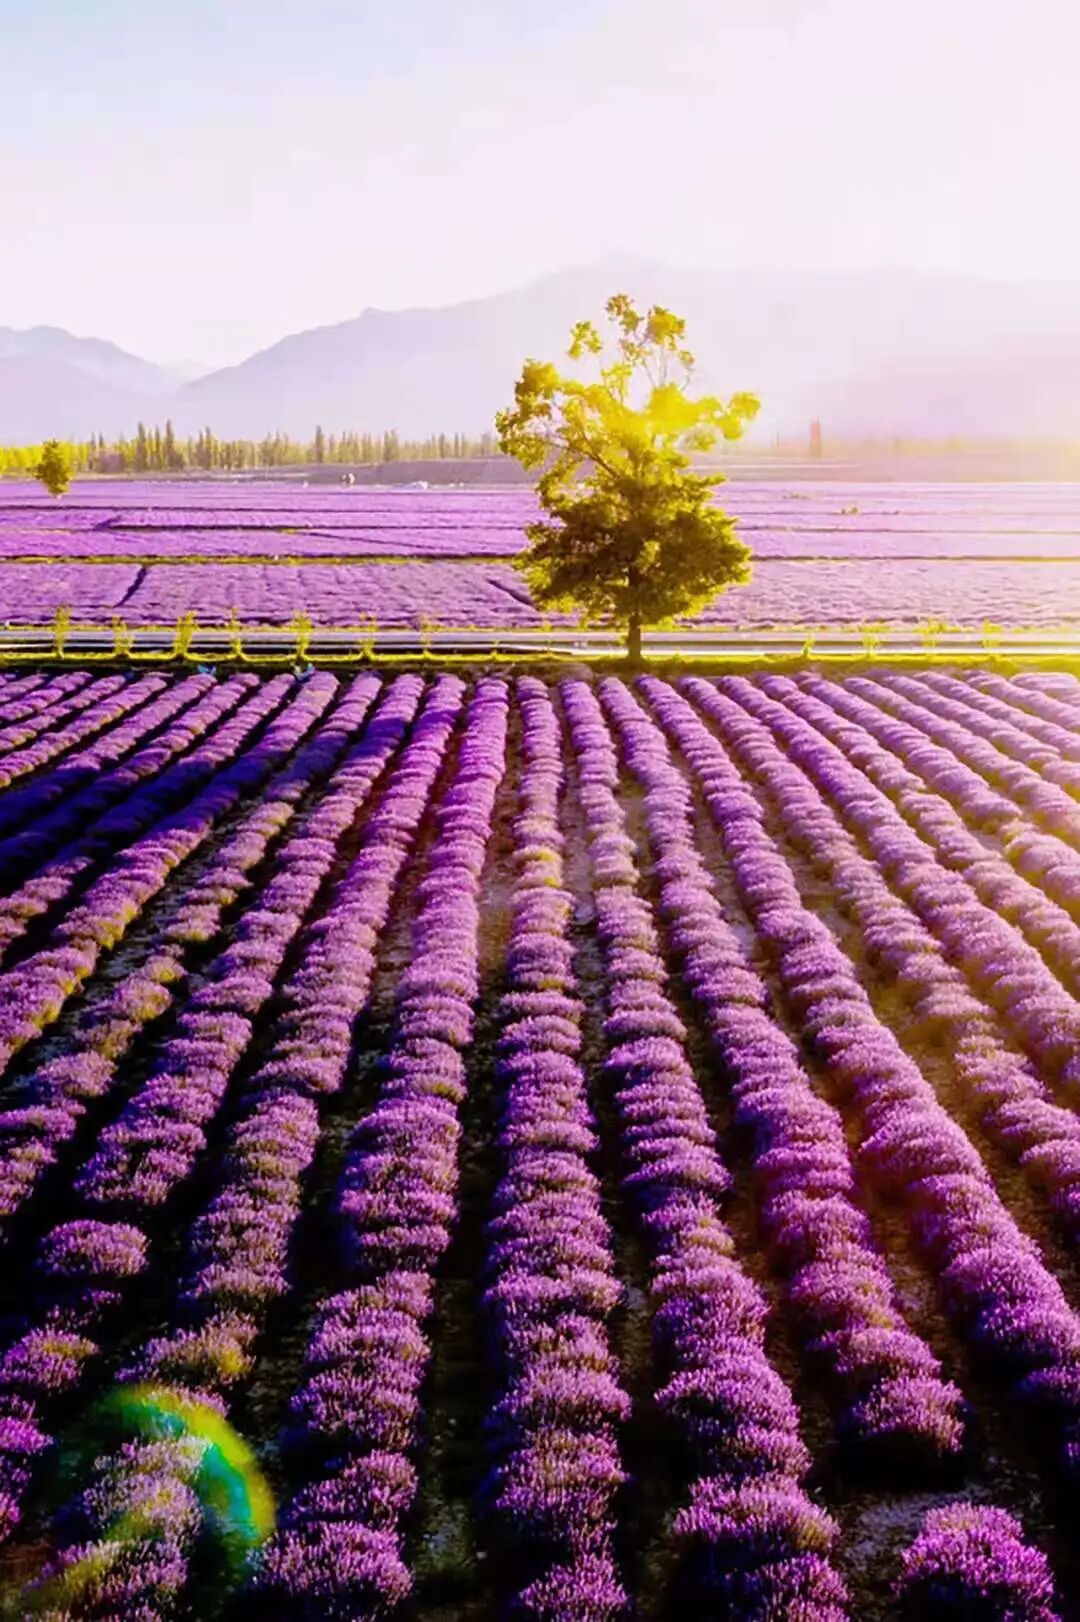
x=815 y=439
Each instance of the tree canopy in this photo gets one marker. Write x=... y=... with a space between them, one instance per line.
x=632 y=534
x=54 y=469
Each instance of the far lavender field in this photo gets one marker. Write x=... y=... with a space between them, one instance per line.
x=964 y=553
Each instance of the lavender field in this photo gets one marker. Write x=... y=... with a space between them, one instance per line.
x=609 y=1148
x=962 y=553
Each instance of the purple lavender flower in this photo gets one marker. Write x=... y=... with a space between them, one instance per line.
x=972 y=1560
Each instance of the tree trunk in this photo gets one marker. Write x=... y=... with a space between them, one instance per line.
x=633 y=640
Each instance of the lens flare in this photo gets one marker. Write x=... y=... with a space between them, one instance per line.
x=234 y=1500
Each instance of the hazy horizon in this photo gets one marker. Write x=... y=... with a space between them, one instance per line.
x=202 y=182
x=169 y=360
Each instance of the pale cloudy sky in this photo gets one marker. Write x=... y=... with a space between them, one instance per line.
x=197 y=178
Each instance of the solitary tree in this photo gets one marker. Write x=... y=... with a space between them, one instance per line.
x=54 y=469
x=636 y=536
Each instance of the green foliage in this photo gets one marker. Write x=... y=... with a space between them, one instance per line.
x=172 y=456
x=368 y=627
x=54 y=469
x=186 y=626
x=123 y=637
x=872 y=636
x=931 y=632
x=153 y=450
x=61 y=625
x=301 y=625
x=234 y=625
x=426 y=626
x=634 y=535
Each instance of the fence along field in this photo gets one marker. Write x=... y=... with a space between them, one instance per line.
x=147 y=554
x=607 y=1147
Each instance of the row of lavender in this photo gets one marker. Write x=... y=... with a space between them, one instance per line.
x=235 y=849
x=48 y=537
x=490 y=595
x=1011 y=555
x=789 y=503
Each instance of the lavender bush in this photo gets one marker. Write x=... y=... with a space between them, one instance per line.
x=776 y=1127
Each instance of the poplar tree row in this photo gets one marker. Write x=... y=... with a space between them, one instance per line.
x=160 y=450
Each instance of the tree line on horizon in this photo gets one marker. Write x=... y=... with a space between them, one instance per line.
x=161 y=450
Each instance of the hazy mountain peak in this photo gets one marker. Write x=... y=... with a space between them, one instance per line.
x=889 y=350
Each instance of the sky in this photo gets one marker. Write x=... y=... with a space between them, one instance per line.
x=197 y=179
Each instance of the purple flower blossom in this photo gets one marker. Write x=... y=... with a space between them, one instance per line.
x=972 y=1560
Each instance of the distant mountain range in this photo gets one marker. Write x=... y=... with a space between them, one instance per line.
x=875 y=352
